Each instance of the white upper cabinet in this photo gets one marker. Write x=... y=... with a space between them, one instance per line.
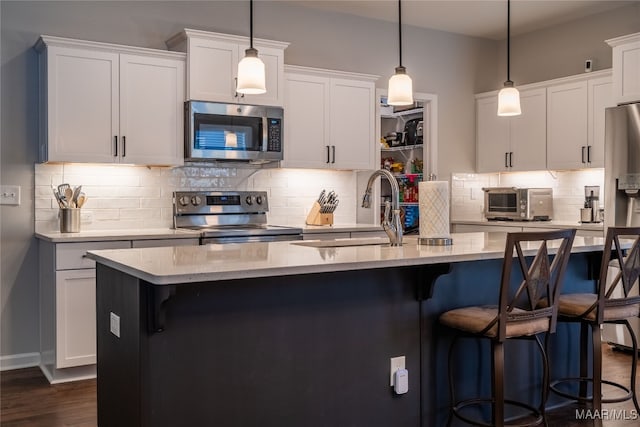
x=575 y=122
x=212 y=66
x=104 y=103
x=567 y=125
x=511 y=143
x=329 y=119
x=626 y=68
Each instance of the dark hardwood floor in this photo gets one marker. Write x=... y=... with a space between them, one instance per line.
x=27 y=400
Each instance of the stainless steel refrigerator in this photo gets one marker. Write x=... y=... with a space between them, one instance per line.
x=622 y=185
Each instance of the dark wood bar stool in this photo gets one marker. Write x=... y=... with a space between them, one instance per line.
x=518 y=315
x=612 y=303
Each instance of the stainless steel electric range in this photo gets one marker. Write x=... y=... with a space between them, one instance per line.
x=228 y=217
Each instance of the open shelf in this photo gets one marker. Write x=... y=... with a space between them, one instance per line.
x=389 y=115
x=402 y=147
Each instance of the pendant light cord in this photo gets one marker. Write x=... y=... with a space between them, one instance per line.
x=400 y=30
x=508 y=40
x=251 y=24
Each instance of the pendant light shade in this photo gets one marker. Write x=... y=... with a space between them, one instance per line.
x=251 y=72
x=400 y=85
x=509 y=97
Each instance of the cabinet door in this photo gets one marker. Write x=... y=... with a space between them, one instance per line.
x=626 y=69
x=528 y=132
x=600 y=98
x=274 y=73
x=352 y=124
x=492 y=137
x=151 y=110
x=567 y=125
x=75 y=318
x=306 y=121
x=212 y=67
x=82 y=105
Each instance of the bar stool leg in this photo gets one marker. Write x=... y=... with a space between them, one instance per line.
x=545 y=376
x=597 y=367
x=634 y=344
x=452 y=398
x=584 y=360
x=497 y=375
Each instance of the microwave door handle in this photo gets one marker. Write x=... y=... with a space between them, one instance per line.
x=265 y=134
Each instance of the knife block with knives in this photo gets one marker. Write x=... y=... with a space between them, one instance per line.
x=321 y=212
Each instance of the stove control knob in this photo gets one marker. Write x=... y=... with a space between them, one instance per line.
x=249 y=200
x=259 y=200
x=183 y=200
x=196 y=200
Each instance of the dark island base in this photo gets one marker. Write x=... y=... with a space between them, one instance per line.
x=307 y=350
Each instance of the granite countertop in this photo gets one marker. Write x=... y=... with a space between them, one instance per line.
x=107 y=235
x=214 y=262
x=534 y=224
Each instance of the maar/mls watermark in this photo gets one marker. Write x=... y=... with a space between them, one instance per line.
x=607 y=414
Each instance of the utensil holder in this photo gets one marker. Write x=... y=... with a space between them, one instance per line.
x=69 y=220
x=317 y=218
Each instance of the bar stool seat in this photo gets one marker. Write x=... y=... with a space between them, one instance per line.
x=614 y=303
x=518 y=315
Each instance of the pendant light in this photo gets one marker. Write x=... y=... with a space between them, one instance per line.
x=400 y=84
x=509 y=97
x=251 y=76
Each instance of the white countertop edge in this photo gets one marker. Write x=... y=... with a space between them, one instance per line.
x=110 y=235
x=533 y=224
x=325 y=266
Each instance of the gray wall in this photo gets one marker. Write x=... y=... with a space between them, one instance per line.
x=561 y=50
x=452 y=66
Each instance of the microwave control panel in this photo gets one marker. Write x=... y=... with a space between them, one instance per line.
x=274 y=134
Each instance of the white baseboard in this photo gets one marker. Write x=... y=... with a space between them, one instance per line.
x=18 y=361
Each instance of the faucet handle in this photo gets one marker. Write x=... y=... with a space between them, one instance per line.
x=387 y=211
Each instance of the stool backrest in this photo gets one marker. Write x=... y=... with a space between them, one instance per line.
x=617 y=290
x=537 y=294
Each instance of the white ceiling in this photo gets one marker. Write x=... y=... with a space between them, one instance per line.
x=479 y=18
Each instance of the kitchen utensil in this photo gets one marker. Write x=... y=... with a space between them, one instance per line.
x=81 y=200
x=68 y=195
x=62 y=188
x=74 y=197
x=56 y=194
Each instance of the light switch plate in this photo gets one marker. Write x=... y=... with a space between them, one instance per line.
x=10 y=195
x=114 y=324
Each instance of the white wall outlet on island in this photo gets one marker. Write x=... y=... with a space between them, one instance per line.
x=114 y=324
x=397 y=363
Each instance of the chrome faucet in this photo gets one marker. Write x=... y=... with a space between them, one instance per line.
x=391 y=222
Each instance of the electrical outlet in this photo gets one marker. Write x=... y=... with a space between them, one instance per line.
x=396 y=363
x=10 y=195
x=114 y=324
x=86 y=217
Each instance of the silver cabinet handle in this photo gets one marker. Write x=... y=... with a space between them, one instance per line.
x=506 y=159
x=510 y=159
x=588 y=154
x=115 y=145
x=583 y=147
x=328 y=156
x=333 y=149
x=124 y=146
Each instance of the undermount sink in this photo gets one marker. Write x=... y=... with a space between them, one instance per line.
x=338 y=243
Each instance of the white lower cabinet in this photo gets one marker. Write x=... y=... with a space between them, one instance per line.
x=75 y=318
x=68 y=305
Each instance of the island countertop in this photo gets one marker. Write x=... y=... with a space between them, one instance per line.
x=216 y=262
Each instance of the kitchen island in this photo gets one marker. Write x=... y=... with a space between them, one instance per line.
x=301 y=333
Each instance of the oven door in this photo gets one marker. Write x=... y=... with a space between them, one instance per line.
x=501 y=204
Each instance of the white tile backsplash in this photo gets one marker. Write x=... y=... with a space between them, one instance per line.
x=467 y=198
x=127 y=197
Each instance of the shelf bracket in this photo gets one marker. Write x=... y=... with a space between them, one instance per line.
x=427 y=277
x=157 y=297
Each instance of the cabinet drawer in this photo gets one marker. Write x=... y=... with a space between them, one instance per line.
x=72 y=255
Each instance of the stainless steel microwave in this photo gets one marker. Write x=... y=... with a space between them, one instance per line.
x=519 y=204
x=219 y=131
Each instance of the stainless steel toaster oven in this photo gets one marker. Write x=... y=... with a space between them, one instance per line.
x=518 y=204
